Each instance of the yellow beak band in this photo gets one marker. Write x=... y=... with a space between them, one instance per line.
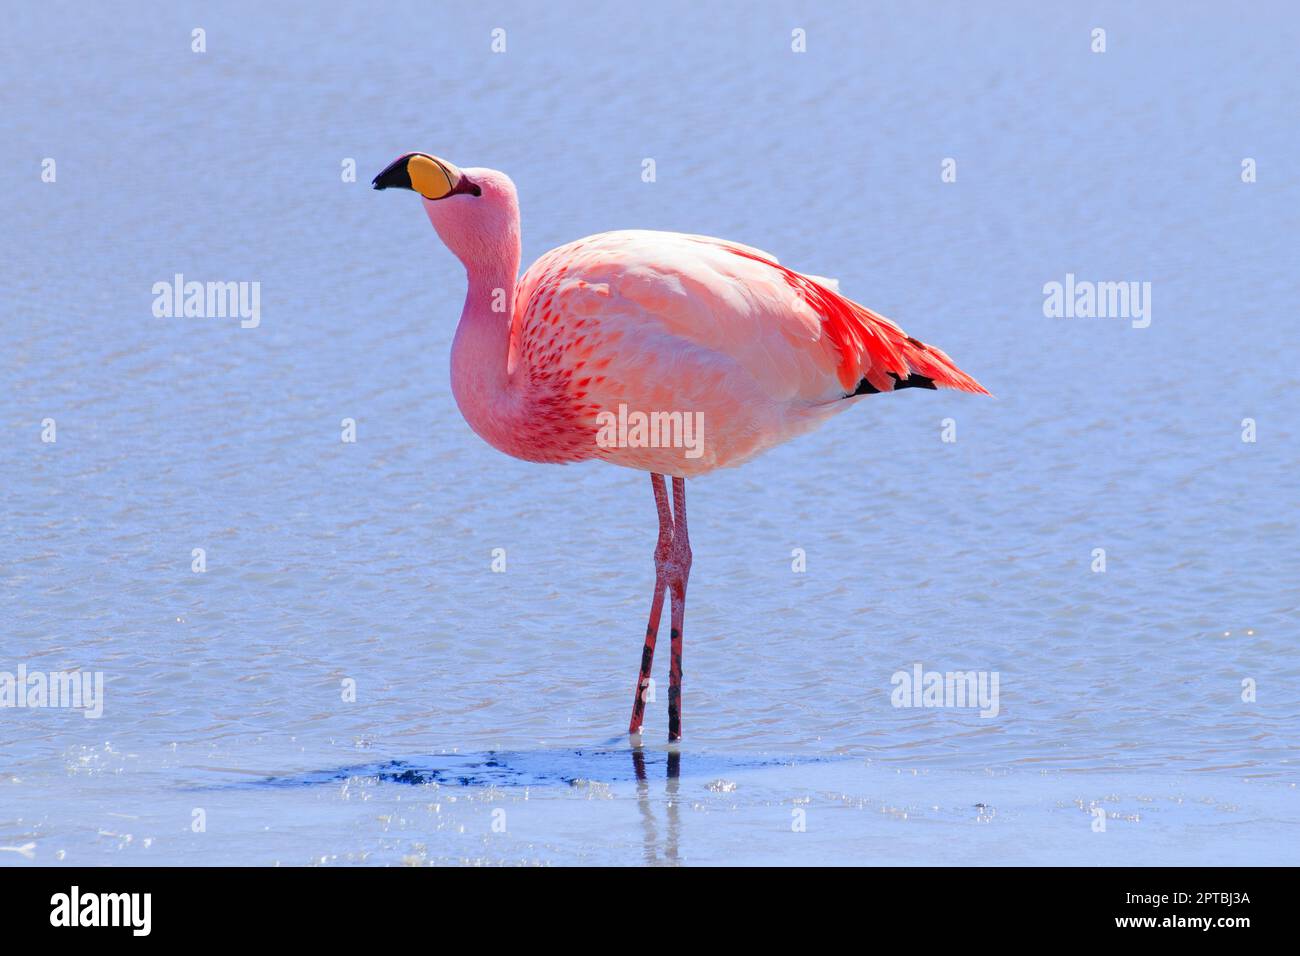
x=432 y=178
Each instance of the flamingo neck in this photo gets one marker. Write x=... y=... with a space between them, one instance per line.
x=480 y=352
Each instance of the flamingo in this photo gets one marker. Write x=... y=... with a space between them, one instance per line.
x=633 y=326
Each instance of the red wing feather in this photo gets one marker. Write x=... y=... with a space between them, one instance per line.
x=871 y=347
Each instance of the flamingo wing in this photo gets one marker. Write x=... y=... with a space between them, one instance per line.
x=796 y=336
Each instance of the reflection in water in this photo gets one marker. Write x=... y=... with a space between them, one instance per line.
x=672 y=811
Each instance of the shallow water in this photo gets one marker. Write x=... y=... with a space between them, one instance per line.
x=1120 y=692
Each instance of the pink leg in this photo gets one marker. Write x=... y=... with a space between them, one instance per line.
x=662 y=550
x=678 y=573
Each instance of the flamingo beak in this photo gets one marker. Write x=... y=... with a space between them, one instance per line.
x=431 y=177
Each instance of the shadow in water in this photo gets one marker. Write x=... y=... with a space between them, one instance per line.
x=659 y=810
x=528 y=768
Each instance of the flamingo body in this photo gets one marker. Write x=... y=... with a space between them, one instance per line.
x=669 y=322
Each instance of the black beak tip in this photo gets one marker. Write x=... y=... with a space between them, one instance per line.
x=394 y=174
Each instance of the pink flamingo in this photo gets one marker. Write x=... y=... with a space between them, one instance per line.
x=722 y=350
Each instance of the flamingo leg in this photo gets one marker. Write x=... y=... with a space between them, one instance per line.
x=663 y=549
x=679 y=572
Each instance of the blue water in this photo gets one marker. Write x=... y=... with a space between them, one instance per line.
x=1121 y=692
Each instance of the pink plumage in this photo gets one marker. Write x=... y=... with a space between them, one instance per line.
x=662 y=321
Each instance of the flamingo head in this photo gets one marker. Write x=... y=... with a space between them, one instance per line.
x=475 y=211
